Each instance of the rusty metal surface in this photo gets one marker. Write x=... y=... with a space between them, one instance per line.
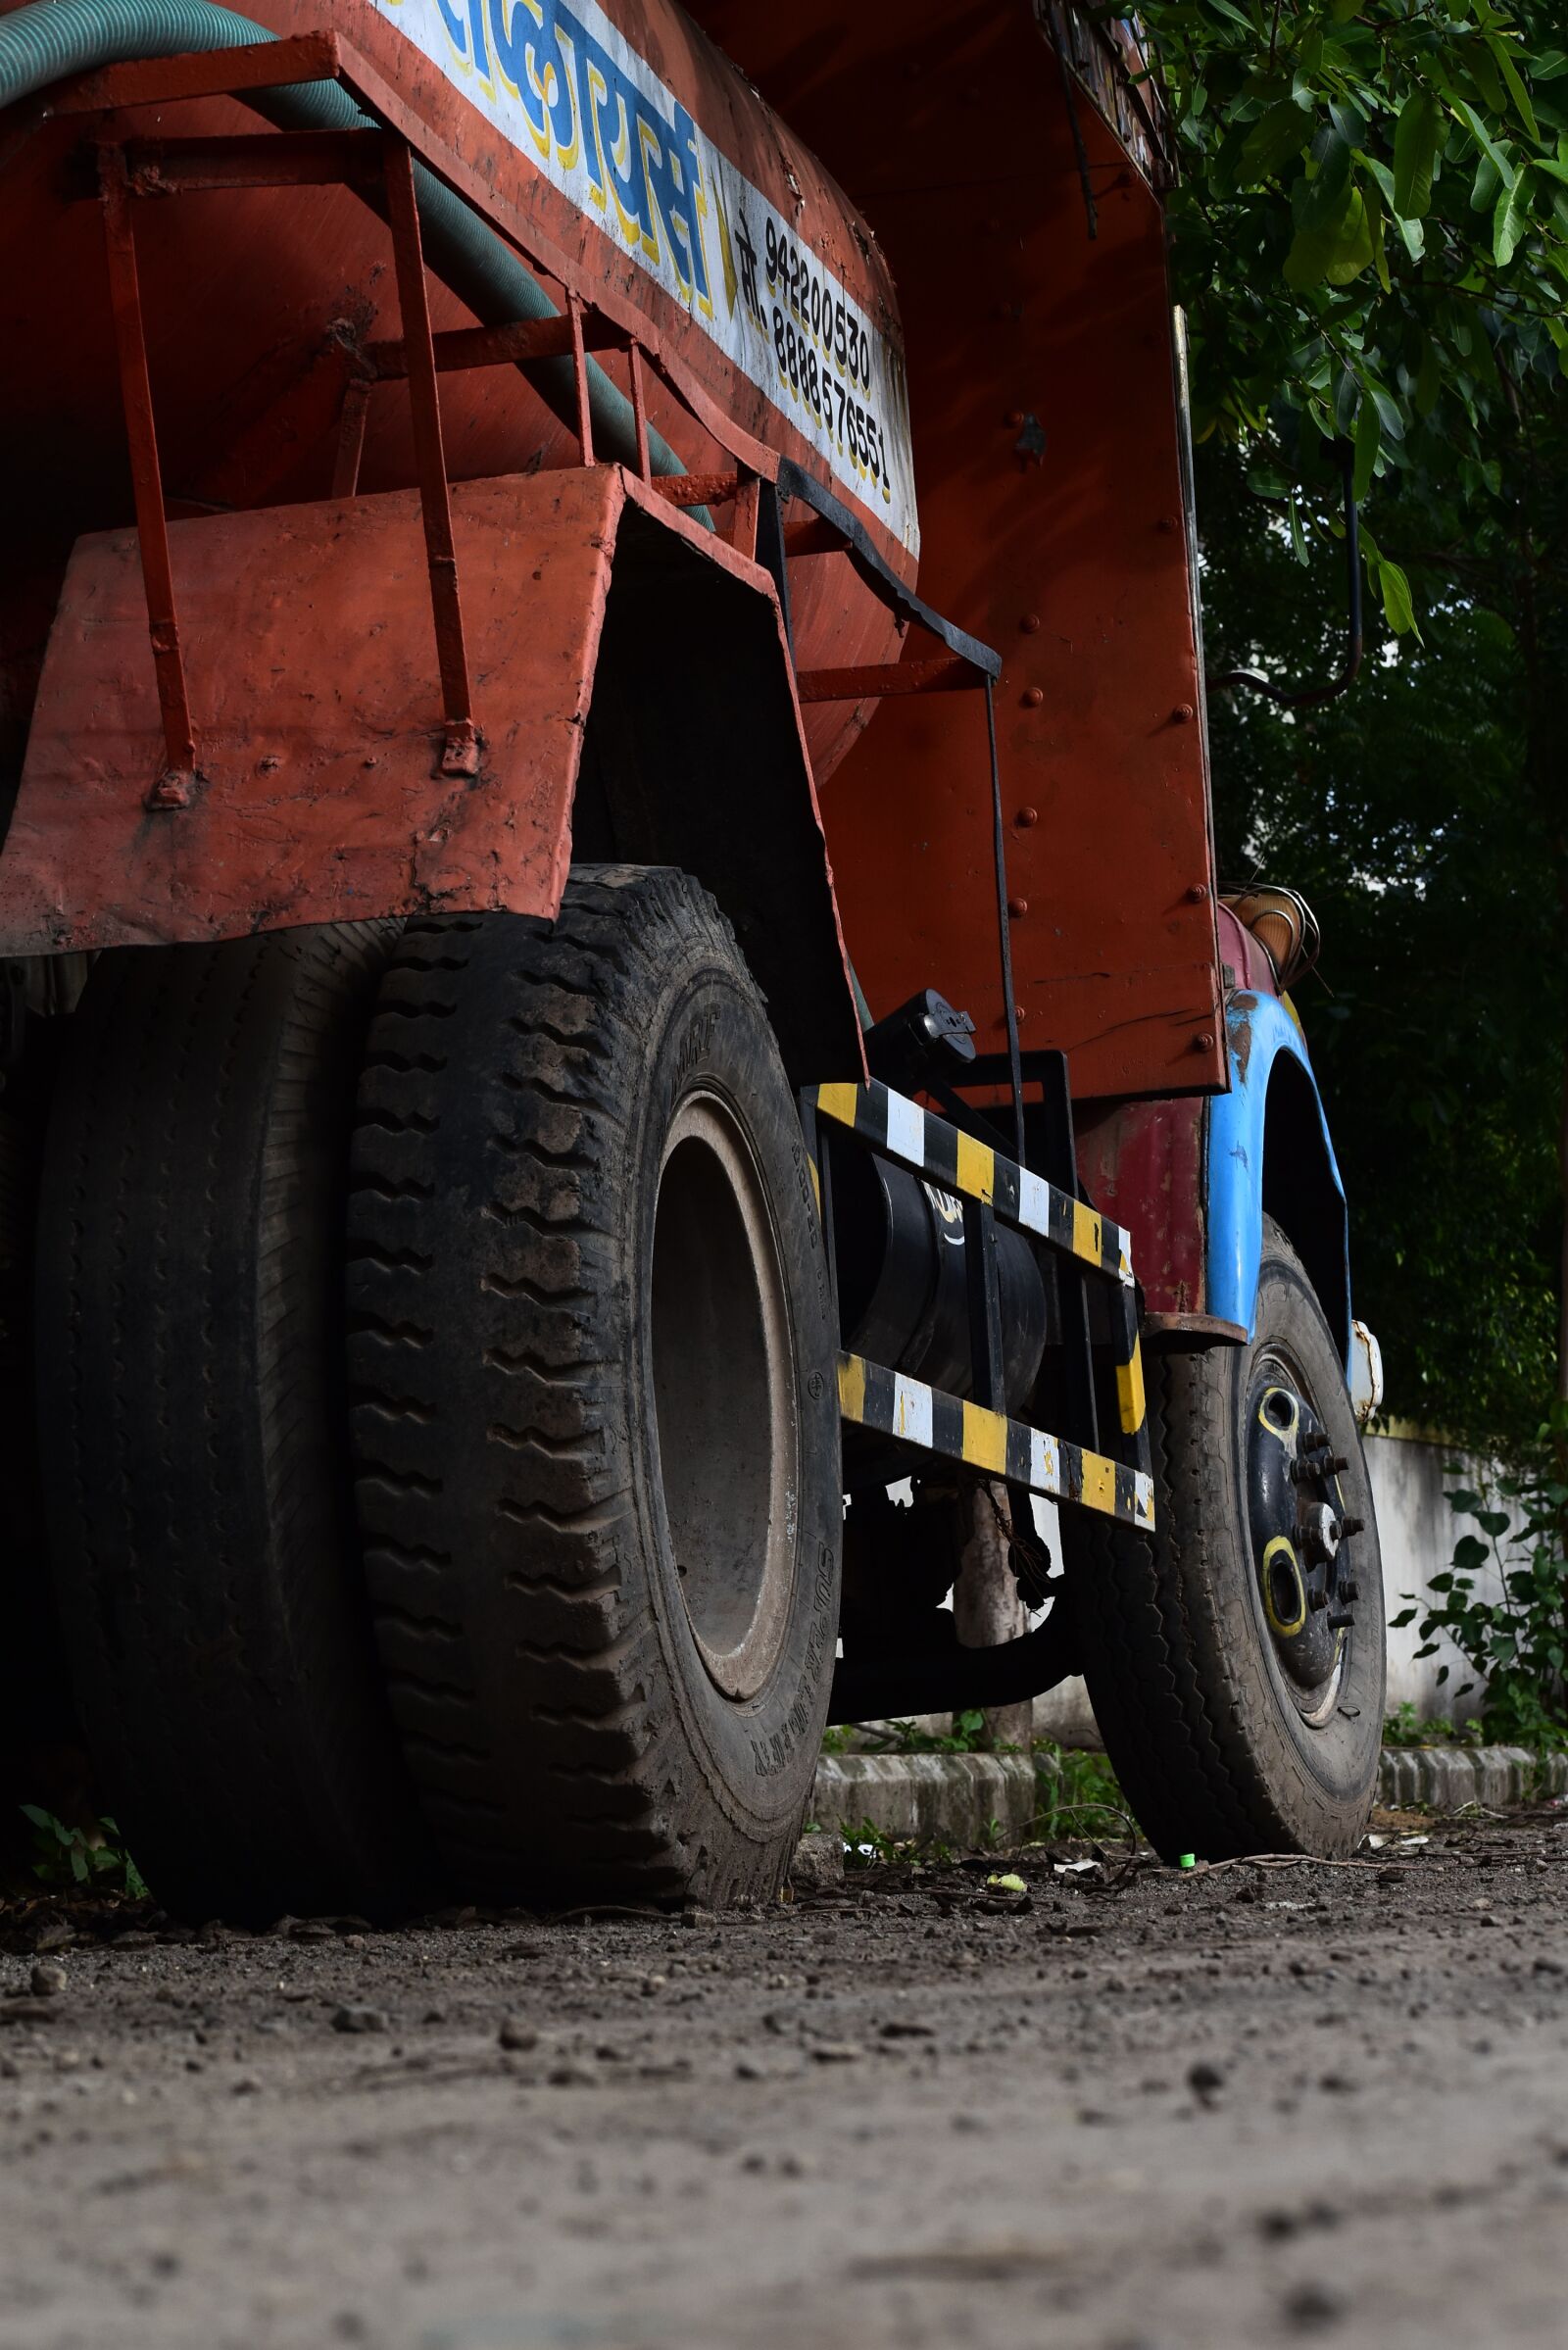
x=319 y=709
x=1143 y=1164
x=258 y=299
x=619 y=653
x=1046 y=452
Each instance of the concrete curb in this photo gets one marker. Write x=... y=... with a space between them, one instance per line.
x=949 y=1798
x=1446 y=1778
x=953 y=1798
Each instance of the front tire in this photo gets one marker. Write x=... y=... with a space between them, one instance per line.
x=1235 y=1659
x=596 y=1420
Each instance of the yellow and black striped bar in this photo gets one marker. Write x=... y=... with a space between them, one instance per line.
x=905 y=1409
x=928 y=1144
x=958 y=1163
x=1131 y=1402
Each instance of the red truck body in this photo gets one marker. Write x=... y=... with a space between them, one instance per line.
x=1022 y=378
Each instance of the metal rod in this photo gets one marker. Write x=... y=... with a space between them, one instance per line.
x=351 y=425
x=517 y=345
x=462 y=755
x=173 y=787
x=743 y=530
x=892 y=1688
x=987 y=1374
x=579 y=364
x=639 y=410
x=1004 y=929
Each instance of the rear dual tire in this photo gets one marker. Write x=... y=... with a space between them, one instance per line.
x=193 y=1429
x=516 y=1567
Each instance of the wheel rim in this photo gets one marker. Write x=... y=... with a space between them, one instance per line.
x=723 y=1377
x=1300 y=1536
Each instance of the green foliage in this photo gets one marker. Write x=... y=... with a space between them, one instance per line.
x=1404 y=1727
x=966 y=1737
x=1081 y=1796
x=868 y=1847
x=1422 y=814
x=70 y=1857
x=1370 y=235
x=1518 y=1640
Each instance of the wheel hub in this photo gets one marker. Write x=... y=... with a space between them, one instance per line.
x=724 y=1392
x=1301 y=1539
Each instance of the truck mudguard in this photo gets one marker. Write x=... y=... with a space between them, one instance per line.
x=1268 y=1152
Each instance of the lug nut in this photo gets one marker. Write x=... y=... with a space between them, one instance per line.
x=1341 y=1623
x=1349 y=1589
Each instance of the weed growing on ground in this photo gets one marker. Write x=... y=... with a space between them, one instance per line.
x=867 y=1846
x=63 y=1857
x=966 y=1737
x=1404 y=1727
x=1518 y=1640
x=1080 y=1794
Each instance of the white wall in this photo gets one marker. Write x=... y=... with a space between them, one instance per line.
x=1418 y=1531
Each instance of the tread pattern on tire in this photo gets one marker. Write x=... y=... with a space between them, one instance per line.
x=1199 y=1752
x=495 y=1358
x=192 y=1423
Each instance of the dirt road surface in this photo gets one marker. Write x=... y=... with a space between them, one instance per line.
x=1137 y=2109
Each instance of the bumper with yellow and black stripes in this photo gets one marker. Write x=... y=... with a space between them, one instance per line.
x=975 y=1431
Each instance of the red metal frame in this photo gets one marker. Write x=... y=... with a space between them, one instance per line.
x=172 y=788
x=360 y=158
x=461 y=754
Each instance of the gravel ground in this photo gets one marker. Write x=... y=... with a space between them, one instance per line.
x=1130 y=2109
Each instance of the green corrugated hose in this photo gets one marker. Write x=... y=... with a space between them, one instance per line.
x=41 y=43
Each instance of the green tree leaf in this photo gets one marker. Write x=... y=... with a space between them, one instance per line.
x=1399 y=608
x=1277 y=135
x=1368 y=441
x=1511 y=220
x=1516 y=88
x=1335 y=254
x=1415 y=149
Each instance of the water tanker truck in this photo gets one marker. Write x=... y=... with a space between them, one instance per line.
x=619 y=1024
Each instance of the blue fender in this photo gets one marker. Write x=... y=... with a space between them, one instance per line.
x=1268 y=1150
